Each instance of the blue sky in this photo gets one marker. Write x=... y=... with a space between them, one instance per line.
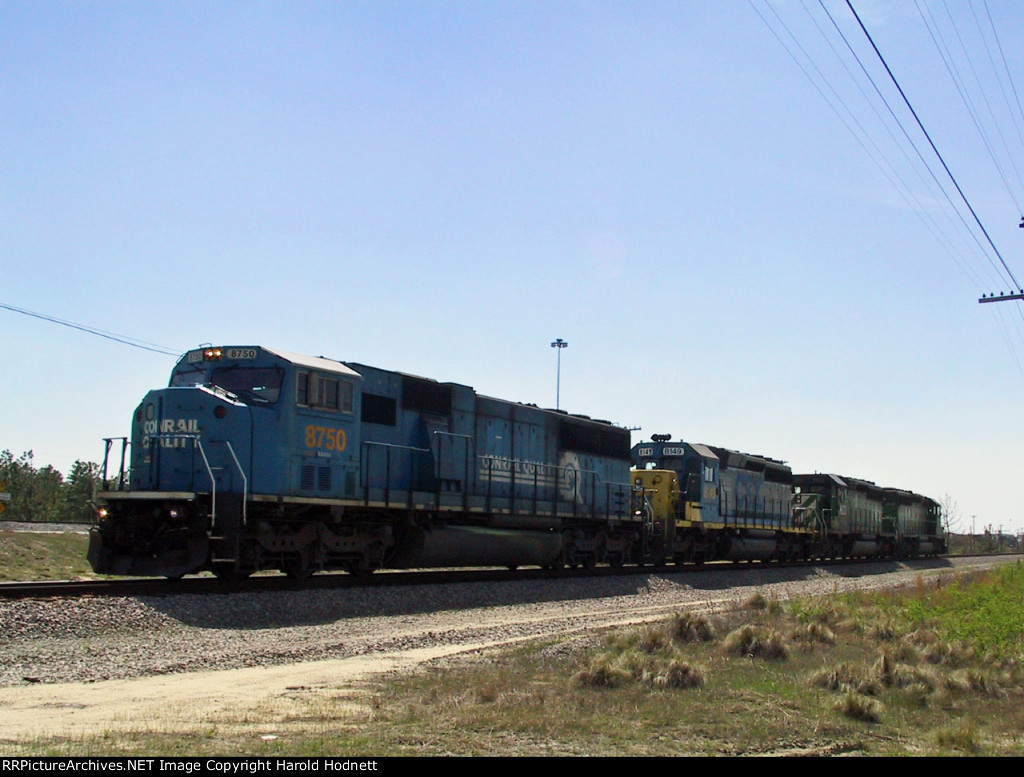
x=736 y=254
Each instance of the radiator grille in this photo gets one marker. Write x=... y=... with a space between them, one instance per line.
x=314 y=478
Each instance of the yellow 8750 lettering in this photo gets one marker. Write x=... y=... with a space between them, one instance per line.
x=326 y=437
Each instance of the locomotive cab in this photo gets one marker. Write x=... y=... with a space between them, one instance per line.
x=210 y=443
x=694 y=490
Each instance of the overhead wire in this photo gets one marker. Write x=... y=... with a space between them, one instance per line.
x=945 y=53
x=969 y=229
x=922 y=212
x=1017 y=125
x=830 y=93
x=1017 y=311
x=1009 y=77
x=996 y=124
x=1019 y=318
x=931 y=143
x=959 y=82
x=846 y=116
x=124 y=339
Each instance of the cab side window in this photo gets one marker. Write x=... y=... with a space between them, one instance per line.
x=324 y=392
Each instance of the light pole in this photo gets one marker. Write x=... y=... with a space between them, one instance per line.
x=559 y=344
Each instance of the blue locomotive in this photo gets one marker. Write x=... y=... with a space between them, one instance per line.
x=254 y=458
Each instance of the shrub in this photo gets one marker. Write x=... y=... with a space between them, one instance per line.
x=844 y=678
x=756 y=602
x=922 y=638
x=860 y=707
x=975 y=680
x=756 y=642
x=883 y=631
x=888 y=672
x=688 y=627
x=654 y=640
x=962 y=738
x=813 y=632
x=603 y=672
x=677 y=674
x=951 y=654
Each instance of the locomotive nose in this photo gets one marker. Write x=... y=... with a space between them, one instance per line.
x=174 y=440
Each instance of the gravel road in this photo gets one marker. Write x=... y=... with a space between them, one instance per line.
x=78 y=664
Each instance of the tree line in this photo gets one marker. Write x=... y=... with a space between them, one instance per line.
x=43 y=493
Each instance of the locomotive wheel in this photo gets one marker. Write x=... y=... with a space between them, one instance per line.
x=297 y=571
x=229 y=573
x=571 y=558
x=360 y=569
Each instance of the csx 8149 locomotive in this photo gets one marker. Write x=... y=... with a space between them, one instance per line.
x=711 y=503
x=254 y=458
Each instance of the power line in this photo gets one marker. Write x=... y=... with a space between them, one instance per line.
x=995 y=123
x=830 y=93
x=932 y=144
x=923 y=213
x=960 y=83
x=809 y=65
x=93 y=331
x=1009 y=77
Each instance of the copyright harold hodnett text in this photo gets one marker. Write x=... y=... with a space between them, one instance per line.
x=225 y=766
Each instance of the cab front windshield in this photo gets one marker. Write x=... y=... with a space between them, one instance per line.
x=258 y=385
x=251 y=384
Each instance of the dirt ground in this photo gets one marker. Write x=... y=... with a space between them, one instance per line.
x=181 y=702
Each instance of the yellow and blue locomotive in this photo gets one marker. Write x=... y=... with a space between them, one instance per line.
x=712 y=503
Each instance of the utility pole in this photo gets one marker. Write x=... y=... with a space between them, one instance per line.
x=1002 y=297
x=559 y=344
x=1005 y=297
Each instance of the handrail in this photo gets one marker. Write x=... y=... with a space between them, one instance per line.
x=213 y=480
x=367 y=444
x=765 y=510
x=198 y=443
x=470 y=442
x=245 y=483
x=106 y=455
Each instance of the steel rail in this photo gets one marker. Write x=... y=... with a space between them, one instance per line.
x=130 y=587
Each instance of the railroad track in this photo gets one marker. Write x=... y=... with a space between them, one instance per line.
x=269 y=582
x=211 y=585
x=67 y=589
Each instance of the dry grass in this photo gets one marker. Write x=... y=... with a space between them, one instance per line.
x=43 y=556
x=846 y=675
x=756 y=641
